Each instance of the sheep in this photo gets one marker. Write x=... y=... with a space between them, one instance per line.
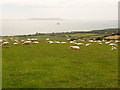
x=22 y=40
x=82 y=40
x=47 y=39
x=100 y=43
x=1 y=41
x=113 y=48
x=75 y=47
x=80 y=44
x=91 y=40
x=107 y=42
x=35 y=42
x=63 y=42
x=51 y=42
x=27 y=43
x=5 y=44
x=15 y=43
x=103 y=40
x=88 y=44
x=117 y=41
x=28 y=39
x=75 y=43
x=95 y=41
x=112 y=44
x=72 y=42
x=79 y=39
x=68 y=39
x=57 y=42
x=34 y=39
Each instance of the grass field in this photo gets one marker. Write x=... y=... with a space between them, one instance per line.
x=47 y=65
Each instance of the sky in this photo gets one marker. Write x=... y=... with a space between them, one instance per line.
x=66 y=9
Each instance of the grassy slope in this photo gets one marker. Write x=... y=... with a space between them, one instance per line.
x=56 y=66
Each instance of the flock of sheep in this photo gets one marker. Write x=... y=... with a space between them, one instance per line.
x=75 y=44
x=112 y=43
x=29 y=41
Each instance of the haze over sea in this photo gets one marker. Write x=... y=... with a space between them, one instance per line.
x=24 y=27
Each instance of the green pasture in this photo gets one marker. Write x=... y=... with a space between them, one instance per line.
x=47 y=65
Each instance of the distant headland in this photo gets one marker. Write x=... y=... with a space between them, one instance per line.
x=45 y=19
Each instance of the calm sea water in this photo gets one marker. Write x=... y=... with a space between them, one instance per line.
x=19 y=27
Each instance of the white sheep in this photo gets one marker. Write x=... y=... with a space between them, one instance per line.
x=34 y=39
x=27 y=43
x=80 y=44
x=35 y=42
x=100 y=43
x=72 y=42
x=68 y=39
x=22 y=40
x=47 y=39
x=117 y=41
x=88 y=44
x=5 y=44
x=51 y=42
x=63 y=42
x=57 y=42
x=112 y=44
x=75 y=47
x=113 y=48
x=75 y=43
x=91 y=40
x=107 y=42
x=15 y=43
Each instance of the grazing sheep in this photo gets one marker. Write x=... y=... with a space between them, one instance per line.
x=5 y=44
x=112 y=44
x=117 y=41
x=27 y=43
x=47 y=39
x=75 y=47
x=113 y=48
x=63 y=42
x=68 y=39
x=100 y=43
x=88 y=44
x=16 y=43
x=35 y=42
x=82 y=40
x=22 y=40
x=28 y=39
x=72 y=42
x=107 y=42
x=80 y=44
x=75 y=43
x=95 y=41
x=103 y=40
x=34 y=39
x=1 y=41
x=51 y=42
x=57 y=42
x=91 y=40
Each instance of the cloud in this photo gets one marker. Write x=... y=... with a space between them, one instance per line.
x=83 y=9
x=55 y=3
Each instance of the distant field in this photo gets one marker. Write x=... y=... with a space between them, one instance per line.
x=47 y=65
x=82 y=35
x=62 y=36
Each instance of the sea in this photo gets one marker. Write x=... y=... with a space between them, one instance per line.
x=25 y=27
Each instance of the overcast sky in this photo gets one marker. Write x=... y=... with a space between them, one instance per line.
x=66 y=9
